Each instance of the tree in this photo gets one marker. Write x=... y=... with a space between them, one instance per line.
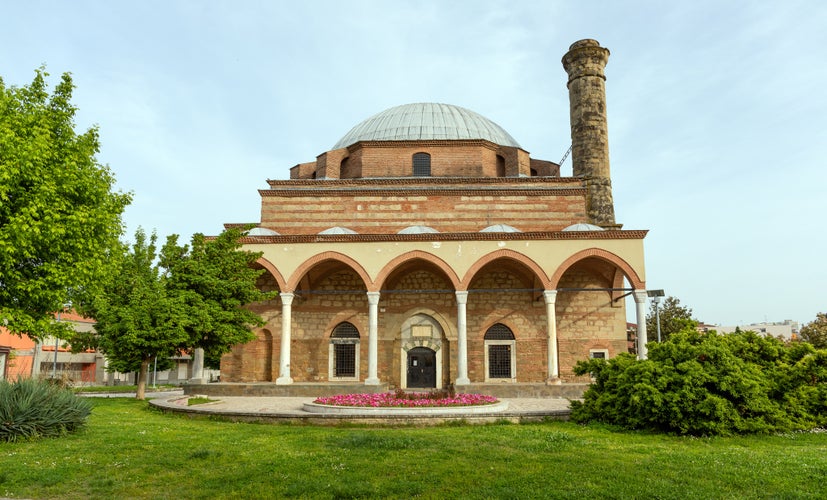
x=59 y=218
x=138 y=319
x=216 y=279
x=162 y=304
x=673 y=318
x=815 y=332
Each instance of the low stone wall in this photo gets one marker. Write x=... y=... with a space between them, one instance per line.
x=269 y=389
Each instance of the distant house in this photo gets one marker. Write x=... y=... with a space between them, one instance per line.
x=787 y=329
x=21 y=356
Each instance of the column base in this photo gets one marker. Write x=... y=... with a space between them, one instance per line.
x=462 y=381
x=284 y=381
x=372 y=381
x=554 y=381
x=197 y=381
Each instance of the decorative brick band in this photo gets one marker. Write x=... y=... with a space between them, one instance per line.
x=436 y=237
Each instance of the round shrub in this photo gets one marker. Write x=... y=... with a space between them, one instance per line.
x=709 y=384
x=32 y=409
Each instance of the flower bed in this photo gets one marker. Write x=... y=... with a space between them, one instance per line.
x=406 y=400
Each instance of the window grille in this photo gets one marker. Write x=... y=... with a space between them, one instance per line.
x=499 y=332
x=345 y=340
x=345 y=331
x=344 y=360
x=499 y=361
x=421 y=165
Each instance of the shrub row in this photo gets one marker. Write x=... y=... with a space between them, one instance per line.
x=709 y=384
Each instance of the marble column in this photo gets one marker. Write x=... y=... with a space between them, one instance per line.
x=462 y=340
x=373 y=339
x=286 y=326
x=197 y=367
x=640 y=303
x=550 y=297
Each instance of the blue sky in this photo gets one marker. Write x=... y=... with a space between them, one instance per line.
x=716 y=112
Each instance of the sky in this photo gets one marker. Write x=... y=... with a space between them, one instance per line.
x=716 y=112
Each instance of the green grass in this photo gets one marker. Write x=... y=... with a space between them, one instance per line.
x=128 y=450
x=199 y=400
x=121 y=388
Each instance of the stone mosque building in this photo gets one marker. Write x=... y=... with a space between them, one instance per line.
x=428 y=248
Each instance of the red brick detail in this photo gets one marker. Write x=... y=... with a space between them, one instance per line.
x=607 y=256
x=505 y=254
x=294 y=280
x=414 y=255
x=267 y=265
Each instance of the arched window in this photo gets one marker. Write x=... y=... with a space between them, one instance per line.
x=500 y=166
x=500 y=354
x=344 y=352
x=421 y=165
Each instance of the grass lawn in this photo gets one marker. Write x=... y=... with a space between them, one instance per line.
x=131 y=451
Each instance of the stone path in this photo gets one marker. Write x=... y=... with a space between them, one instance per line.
x=290 y=409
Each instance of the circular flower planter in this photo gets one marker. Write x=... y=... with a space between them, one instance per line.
x=389 y=404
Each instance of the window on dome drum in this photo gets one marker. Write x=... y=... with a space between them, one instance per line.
x=421 y=165
x=343 y=358
x=500 y=354
x=500 y=166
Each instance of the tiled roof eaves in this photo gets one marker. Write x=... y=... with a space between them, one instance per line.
x=425 y=190
x=418 y=181
x=637 y=234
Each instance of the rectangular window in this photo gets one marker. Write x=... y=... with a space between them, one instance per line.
x=499 y=361
x=344 y=360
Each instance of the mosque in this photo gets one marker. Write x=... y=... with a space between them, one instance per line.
x=427 y=248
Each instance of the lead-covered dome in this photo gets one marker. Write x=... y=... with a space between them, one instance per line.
x=423 y=121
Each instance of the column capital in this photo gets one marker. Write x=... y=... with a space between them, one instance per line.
x=373 y=298
x=462 y=296
x=286 y=298
x=550 y=296
x=640 y=296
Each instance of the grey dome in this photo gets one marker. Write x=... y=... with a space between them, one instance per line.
x=425 y=120
x=500 y=228
x=417 y=230
x=582 y=226
x=338 y=230
x=261 y=231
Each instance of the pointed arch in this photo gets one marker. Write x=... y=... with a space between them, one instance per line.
x=307 y=265
x=625 y=267
x=414 y=255
x=505 y=254
x=270 y=268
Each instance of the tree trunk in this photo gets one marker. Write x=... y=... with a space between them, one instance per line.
x=141 y=394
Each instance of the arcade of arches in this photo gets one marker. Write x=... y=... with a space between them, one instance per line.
x=414 y=318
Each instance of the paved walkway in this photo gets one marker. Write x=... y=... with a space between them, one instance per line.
x=291 y=409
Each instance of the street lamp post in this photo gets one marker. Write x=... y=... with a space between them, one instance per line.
x=656 y=296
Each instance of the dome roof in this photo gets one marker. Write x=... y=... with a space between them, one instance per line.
x=500 y=228
x=261 y=231
x=582 y=226
x=418 y=230
x=338 y=230
x=425 y=120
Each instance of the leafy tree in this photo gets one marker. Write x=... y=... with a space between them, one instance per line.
x=815 y=332
x=162 y=304
x=709 y=384
x=215 y=279
x=59 y=218
x=673 y=318
x=138 y=318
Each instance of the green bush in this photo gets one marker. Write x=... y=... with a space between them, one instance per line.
x=709 y=384
x=32 y=408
